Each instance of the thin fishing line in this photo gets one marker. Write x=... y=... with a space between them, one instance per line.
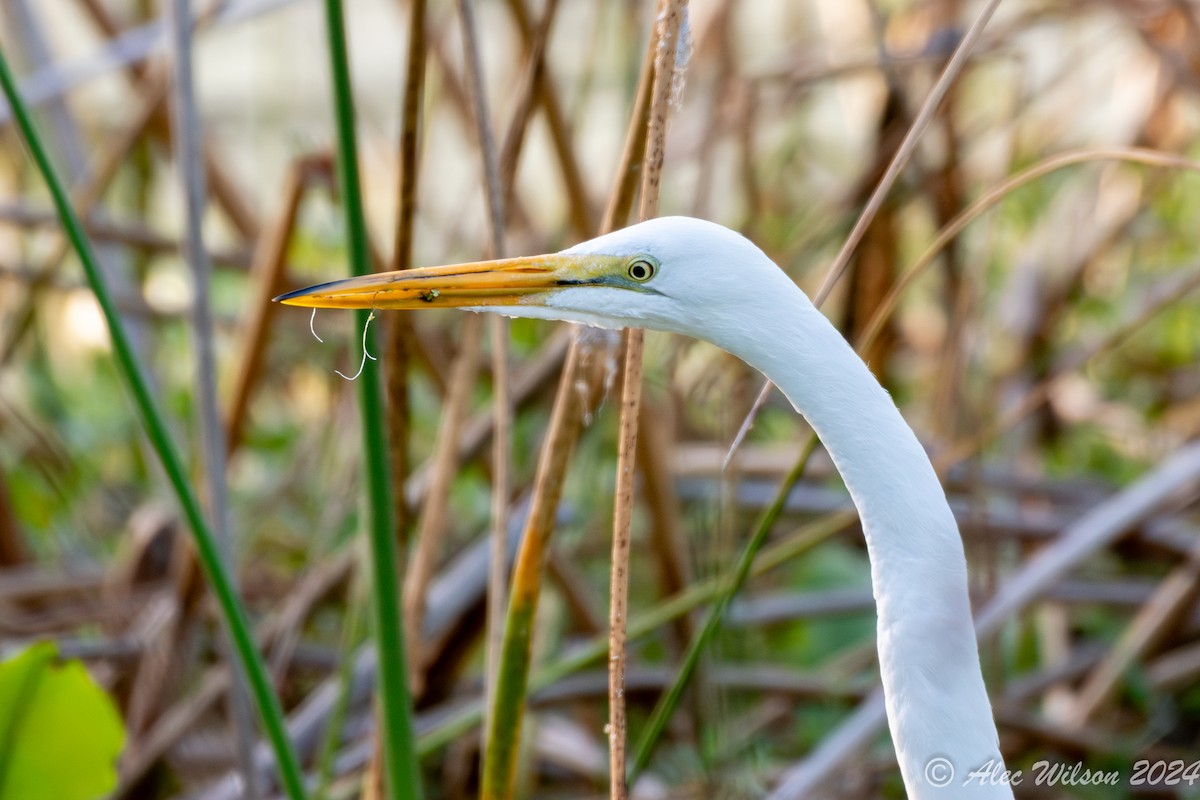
x=362 y=364
x=312 y=326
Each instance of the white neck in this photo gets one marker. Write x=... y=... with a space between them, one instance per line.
x=937 y=705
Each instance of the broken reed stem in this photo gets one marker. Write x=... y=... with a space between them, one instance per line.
x=666 y=37
x=579 y=207
x=514 y=137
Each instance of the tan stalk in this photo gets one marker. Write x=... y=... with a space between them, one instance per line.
x=434 y=513
x=666 y=62
x=496 y=186
x=267 y=274
x=399 y=332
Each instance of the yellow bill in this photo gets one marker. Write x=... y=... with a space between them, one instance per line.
x=507 y=282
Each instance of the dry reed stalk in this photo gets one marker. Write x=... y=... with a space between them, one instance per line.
x=87 y=197
x=455 y=94
x=671 y=17
x=580 y=206
x=432 y=524
x=908 y=146
x=267 y=274
x=496 y=185
x=180 y=719
x=994 y=195
x=514 y=137
x=400 y=332
x=655 y=456
x=12 y=540
x=224 y=189
x=1148 y=628
x=618 y=610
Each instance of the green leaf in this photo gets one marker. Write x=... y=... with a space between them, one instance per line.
x=60 y=733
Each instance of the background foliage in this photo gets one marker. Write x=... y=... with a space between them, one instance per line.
x=1047 y=358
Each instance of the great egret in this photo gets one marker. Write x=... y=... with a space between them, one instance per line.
x=700 y=279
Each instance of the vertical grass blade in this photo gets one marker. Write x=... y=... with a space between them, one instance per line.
x=399 y=752
x=156 y=430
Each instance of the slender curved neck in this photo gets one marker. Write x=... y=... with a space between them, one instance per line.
x=936 y=701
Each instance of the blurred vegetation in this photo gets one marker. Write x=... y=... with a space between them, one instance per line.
x=1047 y=358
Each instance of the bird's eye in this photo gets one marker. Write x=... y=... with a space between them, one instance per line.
x=641 y=270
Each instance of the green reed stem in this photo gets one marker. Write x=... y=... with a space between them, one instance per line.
x=399 y=752
x=219 y=580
